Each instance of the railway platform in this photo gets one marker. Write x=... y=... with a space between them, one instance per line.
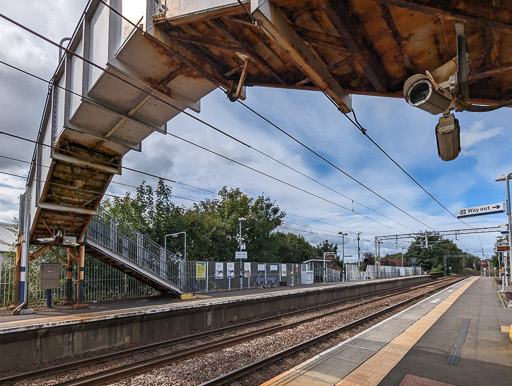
x=49 y=334
x=459 y=336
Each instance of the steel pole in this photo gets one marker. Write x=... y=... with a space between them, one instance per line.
x=376 y=242
x=502 y=272
x=358 y=253
x=507 y=270
x=185 y=252
x=343 y=256
x=240 y=249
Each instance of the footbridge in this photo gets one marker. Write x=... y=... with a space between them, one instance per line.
x=132 y=66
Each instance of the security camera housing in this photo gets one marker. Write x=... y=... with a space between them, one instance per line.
x=448 y=137
x=420 y=92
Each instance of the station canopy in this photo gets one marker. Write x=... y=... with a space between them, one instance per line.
x=342 y=47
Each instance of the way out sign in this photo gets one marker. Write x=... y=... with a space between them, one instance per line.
x=481 y=210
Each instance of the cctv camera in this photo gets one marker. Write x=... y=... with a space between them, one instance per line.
x=448 y=137
x=419 y=91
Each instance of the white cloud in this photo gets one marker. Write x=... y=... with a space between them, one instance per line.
x=475 y=134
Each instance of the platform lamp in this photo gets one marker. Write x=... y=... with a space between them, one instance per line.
x=240 y=239
x=343 y=254
x=176 y=235
x=506 y=177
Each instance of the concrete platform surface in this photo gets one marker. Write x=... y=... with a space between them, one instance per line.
x=60 y=315
x=461 y=324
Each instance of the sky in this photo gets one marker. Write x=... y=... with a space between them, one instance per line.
x=404 y=132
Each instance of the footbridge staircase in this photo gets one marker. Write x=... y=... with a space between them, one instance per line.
x=133 y=253
x=115 y=85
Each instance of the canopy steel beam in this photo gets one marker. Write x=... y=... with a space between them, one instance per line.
x=344 y=21
x=275 y=25
x=476 y=12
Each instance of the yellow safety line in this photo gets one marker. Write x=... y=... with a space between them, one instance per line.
x=377 y=365
x=375 y=369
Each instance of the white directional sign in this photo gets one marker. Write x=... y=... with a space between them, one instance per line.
x=241 y=255
x=481 y=210
x=504 y=229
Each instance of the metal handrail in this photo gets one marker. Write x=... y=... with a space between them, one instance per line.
x=122 y=239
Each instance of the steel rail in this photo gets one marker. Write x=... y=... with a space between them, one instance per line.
x=169 y=342
x=157 y=345
x=166 y=359
x=246 y=370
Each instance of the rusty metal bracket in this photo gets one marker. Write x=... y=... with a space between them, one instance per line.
x=39 y=252
x=462 y=63
x=234 y=93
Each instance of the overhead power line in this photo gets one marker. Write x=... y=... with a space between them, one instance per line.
x=113 y=182
x=203 y=148
x=112 y=164
x=166 y=102
x=156 y=41
x=331 y=163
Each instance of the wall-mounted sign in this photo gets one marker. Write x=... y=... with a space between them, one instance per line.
x=219 y=270
x=241 y=255
x=247 y=269
x=481 y=210
x=200 y=271
x=231 y=270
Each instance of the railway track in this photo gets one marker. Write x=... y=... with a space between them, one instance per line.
x=256 y=366
x=140 y=366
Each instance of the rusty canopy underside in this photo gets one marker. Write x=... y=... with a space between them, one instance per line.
x=369 y=47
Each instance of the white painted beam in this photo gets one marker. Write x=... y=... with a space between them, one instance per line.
x=63 y=208
x=274 y=23
x=186 y=11
x=85 y=163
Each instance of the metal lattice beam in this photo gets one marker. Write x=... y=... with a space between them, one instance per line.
x=454 y=232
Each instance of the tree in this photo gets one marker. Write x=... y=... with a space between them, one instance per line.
x=150 y=212
x=368 y=259
x=326 y=246
x=292 y=248
x=212 y=225
x=431 y=258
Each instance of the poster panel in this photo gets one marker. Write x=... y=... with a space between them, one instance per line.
x=219 y=270
x=231 y=270
x=283 y=269
x=274 y=267
x=200 y=271
x=247 y=269
x=261 y=267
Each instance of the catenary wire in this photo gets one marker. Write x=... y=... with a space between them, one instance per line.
x=121 y=197
x=236 y=162
x=325 y=230
x=81 y=189
x=218 y=154
x=124 y=167
x=220 y=87
x=330 y=162
x=67 y=186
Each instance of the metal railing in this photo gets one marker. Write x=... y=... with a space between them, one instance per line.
x=225 y=275
x=122 y=239
x=353 y=274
